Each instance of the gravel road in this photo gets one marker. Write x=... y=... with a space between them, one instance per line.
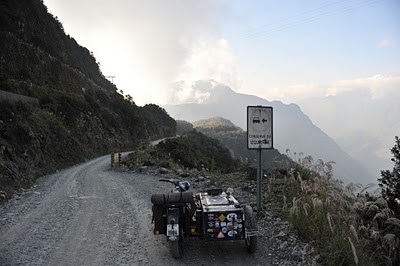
x=91 y=215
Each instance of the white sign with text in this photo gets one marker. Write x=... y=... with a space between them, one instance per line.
x=259 y=127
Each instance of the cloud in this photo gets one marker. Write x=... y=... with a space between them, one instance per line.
x=385 y=43
x=377 y=85
x=292 y=93
x=208 y=63
x=210 y=59
x=185 y=91
x=143 y=43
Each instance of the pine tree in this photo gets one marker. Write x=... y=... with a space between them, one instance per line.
x=390 y=181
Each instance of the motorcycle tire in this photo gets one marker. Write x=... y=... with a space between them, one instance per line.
x=250 y=223
x=176 y=248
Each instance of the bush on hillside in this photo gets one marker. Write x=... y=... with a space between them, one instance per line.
x=345 y=225
x=183 y=127
x=195 y=150
x=235 y=139
x=390 y=180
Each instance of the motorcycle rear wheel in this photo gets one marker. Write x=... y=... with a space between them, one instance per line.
x=250 y=223
x=176 y=248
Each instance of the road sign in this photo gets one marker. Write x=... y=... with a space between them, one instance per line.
x=259 y=127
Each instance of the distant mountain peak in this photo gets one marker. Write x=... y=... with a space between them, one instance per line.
x=292 y=128
x=200 y=92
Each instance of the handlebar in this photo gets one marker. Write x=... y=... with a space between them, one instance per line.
x=180 y=185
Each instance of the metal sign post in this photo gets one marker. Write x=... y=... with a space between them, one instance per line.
x=259 y=182
x=259 y=137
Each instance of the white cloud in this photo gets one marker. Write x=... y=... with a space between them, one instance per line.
x=185 y=91
x=210 y=59
x=378 y=85
x=385 y=43
x=292 y=93
x=141 y=42
x=147 y=44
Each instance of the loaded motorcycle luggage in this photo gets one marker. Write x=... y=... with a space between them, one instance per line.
x=161 y=203
x=212 y=215
x=222 y=216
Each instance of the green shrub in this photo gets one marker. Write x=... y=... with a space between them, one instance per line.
x=390 y=180
x=195 y=150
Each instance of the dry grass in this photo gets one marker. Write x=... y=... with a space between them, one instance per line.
x=345 y=224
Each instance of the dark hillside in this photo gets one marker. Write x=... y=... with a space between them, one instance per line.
x=235 y=139
x=194 y=150
x=28 y=23
x=80 y=113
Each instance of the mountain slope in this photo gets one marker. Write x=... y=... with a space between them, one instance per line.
x=75 y=112
x=235 y=139
x=293 y=129
x=216 y=122
x=366 y=128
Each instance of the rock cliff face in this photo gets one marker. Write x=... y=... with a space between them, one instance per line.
x=293 y=129
x=77 y=114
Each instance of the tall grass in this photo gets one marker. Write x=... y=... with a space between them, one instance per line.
x=345 y=224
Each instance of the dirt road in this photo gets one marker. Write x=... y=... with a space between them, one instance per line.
x=90 y=215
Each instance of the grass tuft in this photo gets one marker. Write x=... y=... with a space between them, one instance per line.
x=353 y=249
x=345 y=224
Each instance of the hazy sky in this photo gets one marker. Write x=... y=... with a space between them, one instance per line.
x=278 y=50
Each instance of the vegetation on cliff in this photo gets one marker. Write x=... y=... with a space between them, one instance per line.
x=190 y=151
x=80 y=113
x=344 y=224
x=235 y=139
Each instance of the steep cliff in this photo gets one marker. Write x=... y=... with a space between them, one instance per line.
x=79 y=114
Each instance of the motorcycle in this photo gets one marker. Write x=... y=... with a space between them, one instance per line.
x=212 y=215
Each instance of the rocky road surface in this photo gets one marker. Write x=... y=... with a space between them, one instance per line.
x=91 y=215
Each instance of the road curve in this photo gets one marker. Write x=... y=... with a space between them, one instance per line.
x=91 y=215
